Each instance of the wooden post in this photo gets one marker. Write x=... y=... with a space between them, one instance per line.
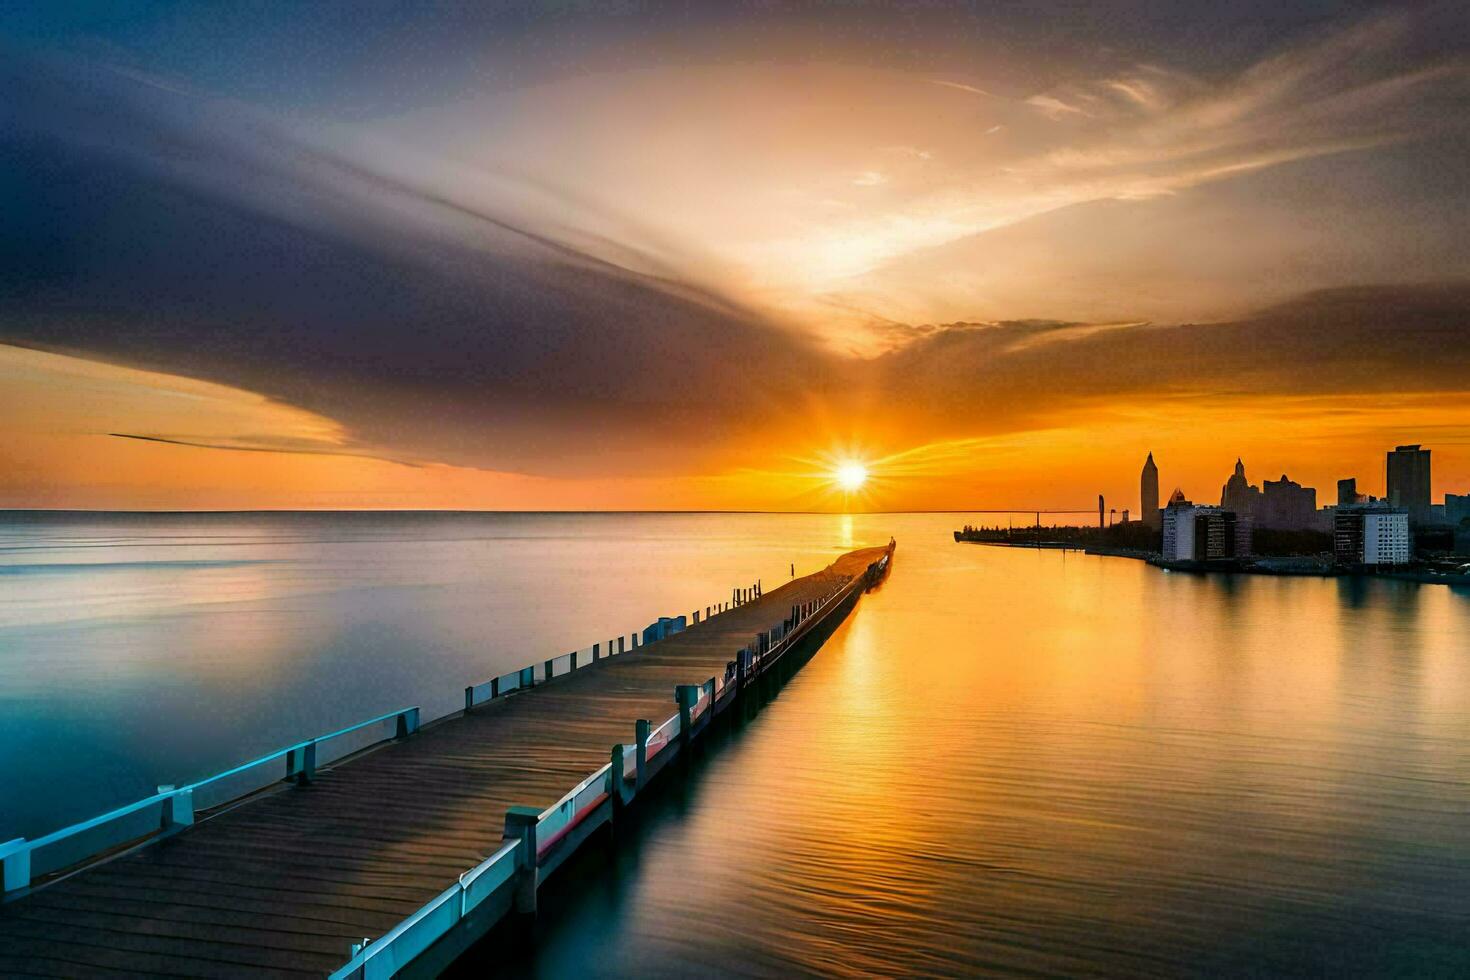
x=520 y=824
x=620 y=643
x=548 y=669
x=641 y=728
x=469 y=698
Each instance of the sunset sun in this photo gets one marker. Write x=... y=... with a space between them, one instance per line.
x=851 y=476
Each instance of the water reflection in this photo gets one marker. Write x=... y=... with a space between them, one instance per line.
x=1024 y=762
x=141 y=649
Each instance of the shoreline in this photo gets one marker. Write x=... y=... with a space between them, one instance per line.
x=1300 y=569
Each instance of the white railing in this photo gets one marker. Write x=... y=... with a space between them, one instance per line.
x=172 y=807
x=544 y=670
x=559 y=818
x=399 y=946
x=661 y=736
x=384 y=957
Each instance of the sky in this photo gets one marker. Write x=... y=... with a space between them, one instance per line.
x=641 y=256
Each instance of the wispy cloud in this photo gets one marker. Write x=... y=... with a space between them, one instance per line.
x=962 y=87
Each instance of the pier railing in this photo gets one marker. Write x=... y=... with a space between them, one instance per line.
x=547 y=836
x=590 y=803
x=174 y=807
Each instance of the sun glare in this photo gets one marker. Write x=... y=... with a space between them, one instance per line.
x=852 y=476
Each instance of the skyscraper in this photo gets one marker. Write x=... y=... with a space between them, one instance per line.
x=1238 y=495
x=1408 y=481
x=1148 y=493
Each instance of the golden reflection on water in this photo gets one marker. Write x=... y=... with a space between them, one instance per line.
x=1014 y=761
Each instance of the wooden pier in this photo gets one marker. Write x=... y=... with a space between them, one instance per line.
x=395 y=859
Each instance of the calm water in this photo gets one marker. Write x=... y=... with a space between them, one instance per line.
x=1013 y=762
x=1005 y=762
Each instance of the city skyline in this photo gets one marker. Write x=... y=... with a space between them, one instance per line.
x=1407 y=485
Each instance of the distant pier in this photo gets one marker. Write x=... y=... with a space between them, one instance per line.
x=389 y=847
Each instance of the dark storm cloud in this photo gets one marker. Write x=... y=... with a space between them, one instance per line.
x=1358 y=340
x=155 y=229
x=160 y=231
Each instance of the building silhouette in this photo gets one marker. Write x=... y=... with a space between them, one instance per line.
x=1287 y=505
x=1456 y=508
x=1347 y=492
x=1148 y=493
x=1238 y=495
x=1408 y=481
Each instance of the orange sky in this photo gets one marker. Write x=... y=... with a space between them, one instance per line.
x=58 y=412
x=701 y=266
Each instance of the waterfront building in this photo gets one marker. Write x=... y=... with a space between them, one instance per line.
x=1148 y=493
x=1408 y=481
x=1456 y=508
x=1199 y=533
x=1371 y=535
x=1287 y=505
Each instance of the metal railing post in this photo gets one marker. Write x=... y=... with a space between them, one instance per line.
x=178 y=809
x=641 y=727
x=619 y=788
x=520 y=824
x=408 y=723
x=16 y=857
x=686 y=695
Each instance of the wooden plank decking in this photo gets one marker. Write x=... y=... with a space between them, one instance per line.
x=283 y=884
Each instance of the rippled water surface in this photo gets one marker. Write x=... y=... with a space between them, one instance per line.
x=1032 y=763
x=1005 y=761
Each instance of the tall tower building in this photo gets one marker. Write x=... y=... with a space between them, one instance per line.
x=1239 y=496
x=1408 y=481
x=1148 y=493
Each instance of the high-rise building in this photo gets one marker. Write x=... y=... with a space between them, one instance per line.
x=1148 y=493
x=1347 y=492
x=1370 y=534
x=1408 y=481
x=1194 y=533
x=1456 y=508
x=1287 y=505
x=1238 y=495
